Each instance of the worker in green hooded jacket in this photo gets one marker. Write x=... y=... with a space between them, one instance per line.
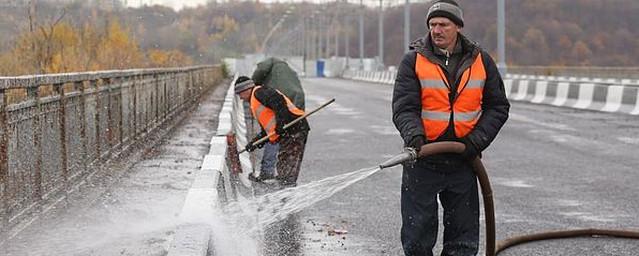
x=277 y=74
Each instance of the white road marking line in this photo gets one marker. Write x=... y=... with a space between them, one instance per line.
x=588 y=217
x=339 y=131
x=525 y=119
x=629 y=140
x=568 y=202
x=515 y=183
x=569 y=139
x=316 y=99
x=384 y=130
x=341 y=110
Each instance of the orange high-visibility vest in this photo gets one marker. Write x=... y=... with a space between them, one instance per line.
x=266 y=116
x=436 y=105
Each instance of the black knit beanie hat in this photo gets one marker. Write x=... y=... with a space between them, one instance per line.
x=243 y=83
x=447 y=9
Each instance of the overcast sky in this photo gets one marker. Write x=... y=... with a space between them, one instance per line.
x=179 y=4
x=176 y=4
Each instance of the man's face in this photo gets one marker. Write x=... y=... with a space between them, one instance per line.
x=443 y=32
x=245 y=95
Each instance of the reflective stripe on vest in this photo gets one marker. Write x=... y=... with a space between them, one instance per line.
x=266 y=116
x=436 y=106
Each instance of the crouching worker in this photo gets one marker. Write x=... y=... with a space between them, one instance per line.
x=273 y=110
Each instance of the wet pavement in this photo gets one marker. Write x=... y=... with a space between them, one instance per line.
x=131 y=205
x=551 y=168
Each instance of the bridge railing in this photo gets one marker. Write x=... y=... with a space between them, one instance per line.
x=56 y=129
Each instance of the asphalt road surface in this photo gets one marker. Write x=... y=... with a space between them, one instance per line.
x=551 y=169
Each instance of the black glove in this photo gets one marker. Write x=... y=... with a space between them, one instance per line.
x=250 y=147
x=471 y=151
x=279 y=129
x=416 y=142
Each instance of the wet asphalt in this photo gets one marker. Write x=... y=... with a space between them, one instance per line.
x=551 y=169
x=131 y=205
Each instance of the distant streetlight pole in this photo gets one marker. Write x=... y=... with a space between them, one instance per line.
x=304 y=44
x=337 y=30
x=318 y=33
x=310 y=38
x=501 y=35
x=347 y=38
x=270 y=34
x=327 y=25
x=380 y=45
x=361 y=34
x=406 y=25
x=275 y=27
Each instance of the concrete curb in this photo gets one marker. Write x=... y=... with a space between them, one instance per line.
x=214 y=183
x=193 y=237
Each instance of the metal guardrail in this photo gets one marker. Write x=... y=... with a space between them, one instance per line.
x=59 y=127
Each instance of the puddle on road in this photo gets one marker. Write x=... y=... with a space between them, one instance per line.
x=246 y=220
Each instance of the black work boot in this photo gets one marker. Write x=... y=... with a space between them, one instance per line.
x=261 y=178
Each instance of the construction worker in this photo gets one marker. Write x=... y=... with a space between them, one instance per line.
x=447 y=89
x=277 y=74
x=273 y=110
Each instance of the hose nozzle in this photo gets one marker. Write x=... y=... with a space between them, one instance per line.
x=409 y=154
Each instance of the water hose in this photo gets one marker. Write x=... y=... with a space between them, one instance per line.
x=493 y=247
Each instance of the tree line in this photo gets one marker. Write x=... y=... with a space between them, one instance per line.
x=60 y=40
x=78 y=37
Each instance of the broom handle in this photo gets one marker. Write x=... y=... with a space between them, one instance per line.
x=263 y=139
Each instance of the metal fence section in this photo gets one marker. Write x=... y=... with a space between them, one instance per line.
x=55 y=129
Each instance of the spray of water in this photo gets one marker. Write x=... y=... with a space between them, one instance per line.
x=249 y=217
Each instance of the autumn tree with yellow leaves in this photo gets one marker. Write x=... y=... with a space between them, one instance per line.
x=60 y=48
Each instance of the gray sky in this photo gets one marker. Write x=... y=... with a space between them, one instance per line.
x=176 y=4
x=179 y=4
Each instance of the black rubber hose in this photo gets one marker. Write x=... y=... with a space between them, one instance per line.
x=512 y=241
x=480 y=172
x=493 y=248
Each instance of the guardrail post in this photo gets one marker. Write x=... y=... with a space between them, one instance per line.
x=156 y=92
x=134 y=98
x=191 y=90
x=96 y=91
x=4 y=162
x=166 y=91
x=32 y=95
x=109 y=117
x=121 y=106
x=177 y=91
x=79 y=87
x=62 y=124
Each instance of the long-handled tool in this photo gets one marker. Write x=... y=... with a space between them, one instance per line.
x=494 y=247
x=286 y=126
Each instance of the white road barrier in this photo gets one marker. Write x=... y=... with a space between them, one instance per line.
x=608 y=95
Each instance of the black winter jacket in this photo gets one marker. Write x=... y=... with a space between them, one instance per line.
x=270 y=98
x=407 y=103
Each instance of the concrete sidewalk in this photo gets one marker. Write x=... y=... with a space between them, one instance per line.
x=131 y=206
